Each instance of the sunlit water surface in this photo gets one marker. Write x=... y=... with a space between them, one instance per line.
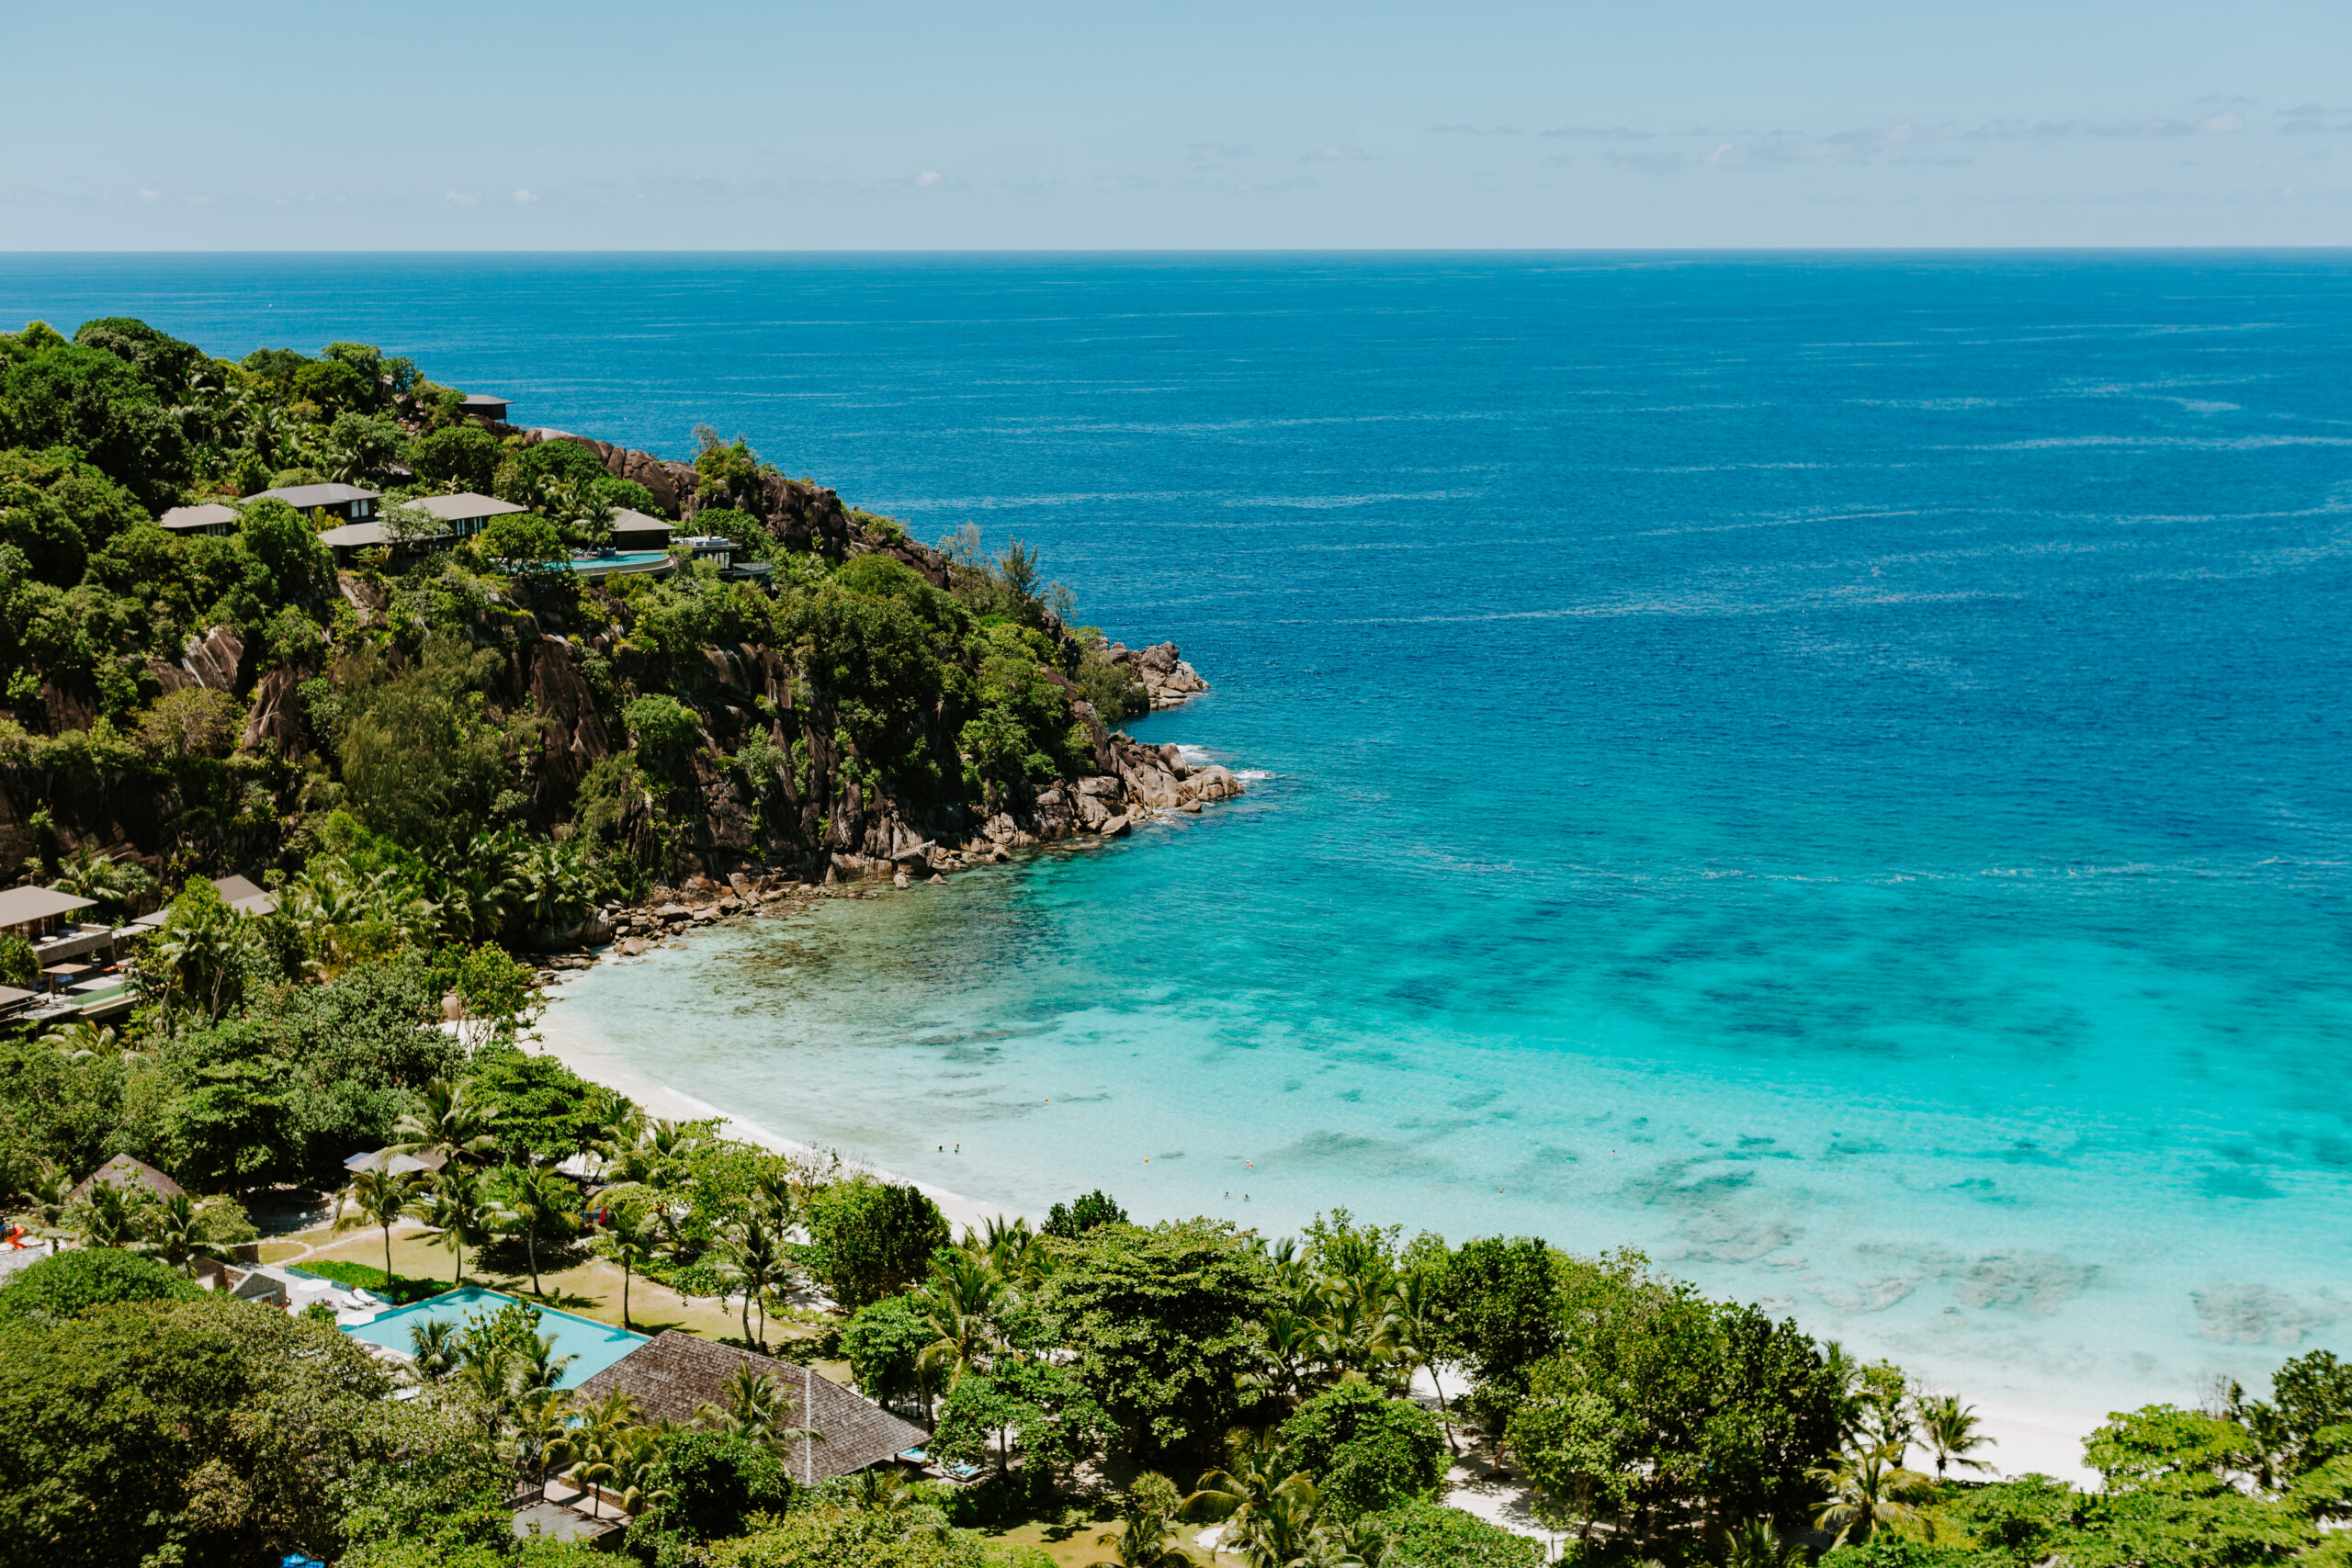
x=1829 y=771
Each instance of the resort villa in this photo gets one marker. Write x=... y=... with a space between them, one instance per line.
x=452 y=517
x=321 y=503
x=73 y=957
x=213 y=519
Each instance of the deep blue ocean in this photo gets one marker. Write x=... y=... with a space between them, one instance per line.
x=1831 y=770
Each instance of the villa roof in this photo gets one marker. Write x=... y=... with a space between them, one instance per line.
x=482 y=400
x=628 y=521
x=358 y=536
x=23 y=906
x=299 y=496
x=236 y=892
x=211 y=514
x=674 y=1374
x=396 y=1162
x=124 y=1172
x=464 y=506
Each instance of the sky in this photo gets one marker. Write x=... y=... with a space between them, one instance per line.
x=882 y=125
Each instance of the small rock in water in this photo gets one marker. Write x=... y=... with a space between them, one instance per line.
x=900 y=882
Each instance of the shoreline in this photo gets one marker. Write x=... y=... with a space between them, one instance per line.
x=658 y=1100
x=2025 y=1439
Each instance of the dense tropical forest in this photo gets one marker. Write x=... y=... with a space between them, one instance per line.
x=438 y=758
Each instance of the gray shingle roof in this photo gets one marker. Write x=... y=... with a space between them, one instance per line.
x=464 y=506
x=299 y=496
x=22 y=906
x=124 y=1172
x=211 y=514
x=674 y=1374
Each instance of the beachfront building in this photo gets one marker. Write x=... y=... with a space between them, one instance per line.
x=633 y=530
x=463 y=514
x=484 y=408
x=238 y=892
x=50 y=921
x=725 y=552
x=129 y=1175
x=673 y=1375
x=212 y=519
x=321 y=503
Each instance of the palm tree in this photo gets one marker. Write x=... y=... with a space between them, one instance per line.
x=1948 y=1427
x=881 y=1491
x=197 y=958
x=177 y=1233
x=960 y=1302
x=80 y=1040
x=1257 y=1466
x=1868 y=1487
x=539 y=1369
x=540 y=1199
x=757 y=1410
x=47 y=1197
x=1419 y=1337
x=454 y=1207
x=755 y=1264
x=543 y=1443
x=605 y=1442
x=108 y=1216
x=378 y=1198
x=447 y=1123
x=433 y=1350
x=1143 y=1544
x=1757 y=1544
x=487 y=1371
x=633 y=1240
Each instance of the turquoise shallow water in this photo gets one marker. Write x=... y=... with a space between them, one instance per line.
x=1828 y=769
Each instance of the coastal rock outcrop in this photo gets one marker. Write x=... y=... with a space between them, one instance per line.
x=1161 y=672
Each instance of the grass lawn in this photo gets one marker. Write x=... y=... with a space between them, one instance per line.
x=1072 y=1545
x=592 y=1288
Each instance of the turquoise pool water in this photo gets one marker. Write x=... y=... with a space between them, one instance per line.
x=593 y=1346
x=602 y=566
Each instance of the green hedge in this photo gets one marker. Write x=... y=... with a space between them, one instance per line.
x=400 y=1291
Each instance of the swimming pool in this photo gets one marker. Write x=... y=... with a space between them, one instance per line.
x=608 y=566
x=593 y=1346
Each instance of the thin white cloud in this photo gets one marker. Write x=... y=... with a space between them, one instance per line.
x=524 y=197
x=1646 y=162
x=1601 y=132
x=462 y=198
x=1473 y=131
x=2221 y=124
x=1125 y=181
x=930 y=179
x=1338 y=153
x=1218 y=152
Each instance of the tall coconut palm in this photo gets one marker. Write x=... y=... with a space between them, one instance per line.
x=448 y=1123
x=543 y=1442
x=196 y=960
x=604 y=1441
x=455 y=1208
x=1418 y=1333
x=381 y=1199
x=756 y=1264
x=961 y=1302
x=1948 y=1429
x=1868 y=1487
x=633 y=1240
x=540 y=1202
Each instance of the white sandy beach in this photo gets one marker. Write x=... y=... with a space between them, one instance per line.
x=2026 y=1440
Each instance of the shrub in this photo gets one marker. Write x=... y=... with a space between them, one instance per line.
x=399 y=1289
x=73 y=1283
x=1365 y=1450
x=1097 y=1208
x=1428 y=1535
x=873 y=1239
x=709 y=1485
